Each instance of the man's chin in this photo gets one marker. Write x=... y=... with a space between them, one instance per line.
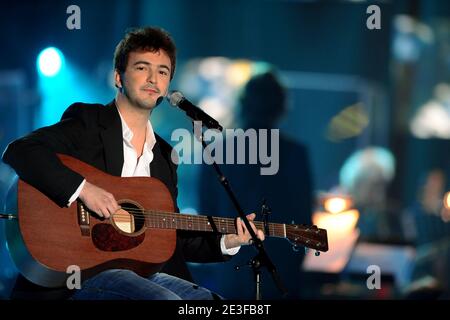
x=147 y=105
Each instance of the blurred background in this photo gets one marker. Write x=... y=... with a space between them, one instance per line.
x=364 y=119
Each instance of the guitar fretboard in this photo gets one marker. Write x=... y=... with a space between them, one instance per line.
x=168 y=220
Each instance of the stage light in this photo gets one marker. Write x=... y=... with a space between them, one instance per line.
x=348 y=123
x=335 y=212
x=239 y=72
x=341 y=224
x=447 y=200
x=334 y=202
x=50 y=61
x=445 y=212
x=214 y=107
x=342 y=237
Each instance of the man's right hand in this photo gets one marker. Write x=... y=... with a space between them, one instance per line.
x=98 y=200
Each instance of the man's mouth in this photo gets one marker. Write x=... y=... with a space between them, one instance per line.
x=151 y=90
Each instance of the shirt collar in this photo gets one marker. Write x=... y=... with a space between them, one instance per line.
x=127 y=134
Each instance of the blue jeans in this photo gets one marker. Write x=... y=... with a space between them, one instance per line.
x=119 y=284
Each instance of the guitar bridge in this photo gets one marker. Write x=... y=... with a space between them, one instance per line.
x=83 y=220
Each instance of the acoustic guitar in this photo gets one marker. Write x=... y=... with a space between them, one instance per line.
x=45 y=240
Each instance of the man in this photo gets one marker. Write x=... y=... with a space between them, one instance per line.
x=262 y=103
x=118 y=138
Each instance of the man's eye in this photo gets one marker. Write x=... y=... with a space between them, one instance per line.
x=165 y=73
x=140 y=68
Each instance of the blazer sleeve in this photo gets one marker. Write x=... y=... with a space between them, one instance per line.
x=34 y=158
x=202 y=247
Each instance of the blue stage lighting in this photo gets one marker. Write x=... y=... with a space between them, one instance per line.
x=50 y=61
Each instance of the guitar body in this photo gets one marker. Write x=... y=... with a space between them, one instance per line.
x=46 y=240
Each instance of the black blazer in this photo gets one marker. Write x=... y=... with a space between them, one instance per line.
x=93 y=133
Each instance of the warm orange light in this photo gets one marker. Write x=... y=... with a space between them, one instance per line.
x=342 y=236
x=447 y=200
x=337 y=224
x=239 y=72
x=336 y=204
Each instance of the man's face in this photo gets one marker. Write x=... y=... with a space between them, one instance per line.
x=146 y=78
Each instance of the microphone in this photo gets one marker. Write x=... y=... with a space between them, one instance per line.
x=176 y=99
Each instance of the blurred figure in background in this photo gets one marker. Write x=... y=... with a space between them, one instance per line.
x=366 y=175
x=428 y=219
x=289 y=193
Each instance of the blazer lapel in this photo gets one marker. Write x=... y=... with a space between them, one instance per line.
x=160 y=169
x=112 y=139
x=157 y=164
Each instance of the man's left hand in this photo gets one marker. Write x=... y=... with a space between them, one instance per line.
x=243 y=237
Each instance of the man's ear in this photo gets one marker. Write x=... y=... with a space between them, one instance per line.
x=117 y=79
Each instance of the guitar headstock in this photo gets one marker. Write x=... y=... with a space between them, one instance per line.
x=307 y=236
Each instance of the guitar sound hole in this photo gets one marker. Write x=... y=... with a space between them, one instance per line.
x=130 y=218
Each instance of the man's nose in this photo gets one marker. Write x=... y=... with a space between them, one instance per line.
x=151 y=77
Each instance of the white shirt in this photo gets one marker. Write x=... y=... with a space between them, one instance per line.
x=132 y=165
x=140 y=167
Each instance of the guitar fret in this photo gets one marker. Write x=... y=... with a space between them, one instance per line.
x=300 y=234
x=189 y=223
x=223 y=229
x=202 y=223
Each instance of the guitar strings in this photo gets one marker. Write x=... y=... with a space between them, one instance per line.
x=279 y=232
x=153 y=216
x=230 y=222
x=150 y=213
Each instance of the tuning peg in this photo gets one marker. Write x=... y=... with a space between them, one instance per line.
x=292 y=222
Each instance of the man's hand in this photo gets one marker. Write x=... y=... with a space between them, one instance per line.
x=242 y=237
x=98 y=200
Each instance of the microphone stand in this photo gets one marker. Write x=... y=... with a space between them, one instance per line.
x=261 y=259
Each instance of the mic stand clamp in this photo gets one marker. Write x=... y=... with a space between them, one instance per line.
x=265 y=211
x=255 y=264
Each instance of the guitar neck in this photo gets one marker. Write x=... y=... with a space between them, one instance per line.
x=308 y=236
x=168 y=220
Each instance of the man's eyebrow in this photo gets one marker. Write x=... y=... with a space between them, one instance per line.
x=148 y=63
x=141 y=62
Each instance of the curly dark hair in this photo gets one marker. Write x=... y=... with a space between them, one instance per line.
x=149 y=38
